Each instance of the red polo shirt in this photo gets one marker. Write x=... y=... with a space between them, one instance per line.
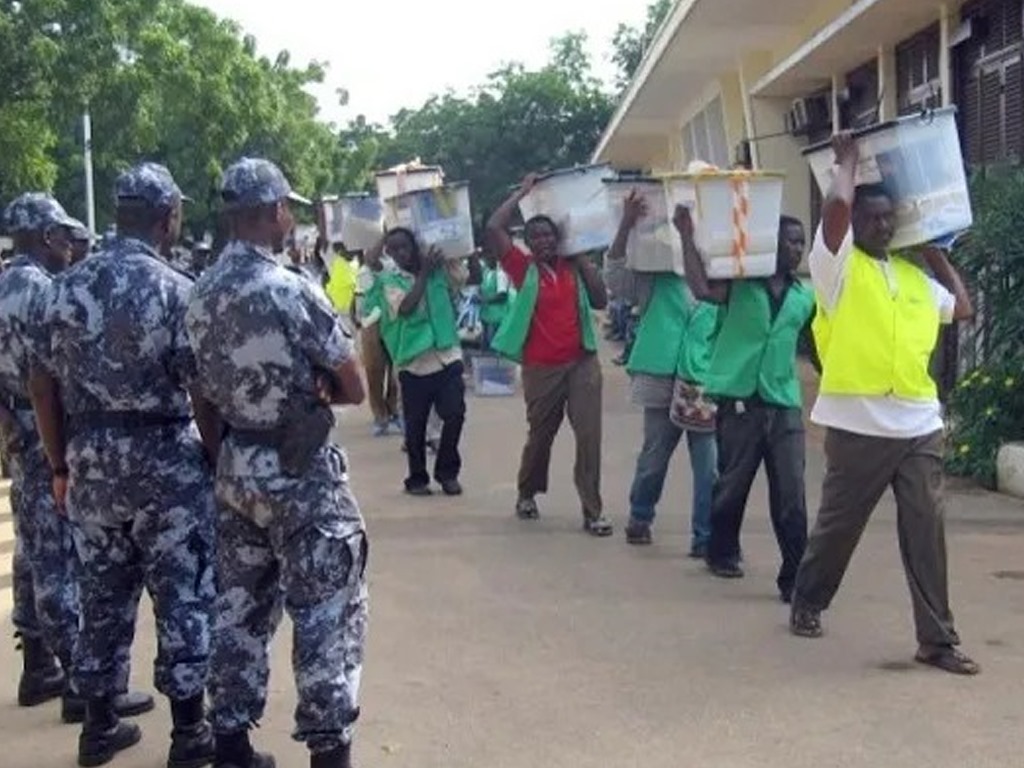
x=555 y=337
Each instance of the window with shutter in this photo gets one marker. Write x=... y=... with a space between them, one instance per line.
x=861 y=109
x=990 y=82
x=918 y=81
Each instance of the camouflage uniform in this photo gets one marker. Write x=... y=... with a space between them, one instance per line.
x=46 y=590
x=259 y=331
x=140 y=491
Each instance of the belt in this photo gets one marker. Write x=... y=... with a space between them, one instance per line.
x=125 y=420
x=257 y=438
x=15 y=403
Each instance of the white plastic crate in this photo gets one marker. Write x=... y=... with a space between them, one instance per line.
x=576 y=200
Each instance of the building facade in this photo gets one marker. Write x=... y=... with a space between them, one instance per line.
x=756 y=82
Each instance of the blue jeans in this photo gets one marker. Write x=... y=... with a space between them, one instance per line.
x=661 y=437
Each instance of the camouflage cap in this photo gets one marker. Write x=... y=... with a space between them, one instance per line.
x=150 y=183
x=79 y=231
x=35 y=212
x=252 y=182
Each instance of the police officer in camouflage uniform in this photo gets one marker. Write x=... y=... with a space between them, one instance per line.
x=46 y=584
x=45 y=590
x=271 y=353
x=139 y=486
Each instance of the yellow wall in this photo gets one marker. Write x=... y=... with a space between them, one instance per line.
x=783 y=153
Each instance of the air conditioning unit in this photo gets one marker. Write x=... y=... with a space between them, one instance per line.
x=808 y=115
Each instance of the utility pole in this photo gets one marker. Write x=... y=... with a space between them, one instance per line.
x=90 y=197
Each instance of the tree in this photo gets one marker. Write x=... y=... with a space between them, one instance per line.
x=631 y=43
x=518 y=121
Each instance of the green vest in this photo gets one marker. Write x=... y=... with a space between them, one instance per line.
x=662 y=329
x=431 y=326
x=515 y=329
x=674 y=336
x=754 y=354
x=492 y=314
x=695 y=355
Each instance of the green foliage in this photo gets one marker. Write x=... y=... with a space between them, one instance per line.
x=517 y=122
x=169 y=81
x=987 y=406
x=163 y=80
x=631 y=43
x=986 y=410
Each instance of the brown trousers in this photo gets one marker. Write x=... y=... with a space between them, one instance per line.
x=859 y=471
x=381 y=383
x=551 y=393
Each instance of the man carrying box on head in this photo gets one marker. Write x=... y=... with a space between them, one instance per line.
x=671 y=354
x=418 y=326
x=879 y=324
x=753 y=376
x=551 y=330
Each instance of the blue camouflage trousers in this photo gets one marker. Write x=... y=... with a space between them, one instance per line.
x=295 y=545
x=149 y=526
x=45 y=572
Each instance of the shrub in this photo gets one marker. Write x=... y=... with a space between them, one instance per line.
x=986 y=409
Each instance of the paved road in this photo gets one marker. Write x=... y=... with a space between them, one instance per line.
x=499 y=644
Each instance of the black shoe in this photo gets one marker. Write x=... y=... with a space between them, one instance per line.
x=725 y=570
x=451 y=488
x=258 y=760
x=639 y=534
x=805 y=622
x=42 y=679
x=191 y=747
x=420 y=491
x=131 y=704
x=527 y=509
x=100 y=747
x=698 y=552
x=336 y=758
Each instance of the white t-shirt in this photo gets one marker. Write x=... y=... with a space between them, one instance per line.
x=876 y=416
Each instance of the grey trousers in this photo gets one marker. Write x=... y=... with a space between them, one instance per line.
x=860 y=469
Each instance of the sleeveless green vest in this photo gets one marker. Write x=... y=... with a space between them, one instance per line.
x=662 y=330
x=492 y=314
x=695 y=355
x=511 y=337
x=674 y=337
x=431 y=326
x=754 y=354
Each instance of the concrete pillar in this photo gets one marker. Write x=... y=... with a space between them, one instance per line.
x=888 y=88
x=945 y=60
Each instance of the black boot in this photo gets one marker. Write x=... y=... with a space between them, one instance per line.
x=41 y=679
x=103 y=734
x=341 y=757
x=192 y=737
x=235 y=751
x=130 y=704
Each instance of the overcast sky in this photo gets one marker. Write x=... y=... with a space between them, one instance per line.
x=390 y=54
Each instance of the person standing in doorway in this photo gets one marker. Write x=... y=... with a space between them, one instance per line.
x=881 y=315
x=672 y=349
x=753 y=375
x=550 y=328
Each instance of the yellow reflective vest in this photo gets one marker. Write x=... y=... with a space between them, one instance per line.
x=878 y=341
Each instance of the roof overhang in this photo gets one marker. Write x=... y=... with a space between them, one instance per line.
x=854 y=37
x=698 y=42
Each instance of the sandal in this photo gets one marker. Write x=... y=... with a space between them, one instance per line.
x=526 y=509
x=599 y=526
x=950 y=660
